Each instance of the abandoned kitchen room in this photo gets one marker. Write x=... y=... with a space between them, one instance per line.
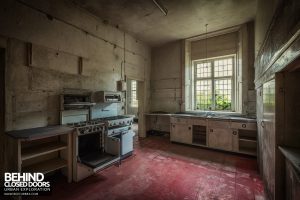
x=150 y=100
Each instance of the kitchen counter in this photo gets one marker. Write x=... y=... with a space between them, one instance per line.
x=213 y=116
x=39 y=133
x=224 y=131
x=292 y=155
x=159 y=114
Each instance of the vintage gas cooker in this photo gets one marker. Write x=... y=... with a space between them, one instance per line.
x=88 y=127
x=117 y=121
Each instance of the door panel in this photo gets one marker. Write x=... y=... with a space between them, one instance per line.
x=235 y=139
x=259 y=113
x=127 y=142
x=181 y=133
x=220 y=138
x=267 y=136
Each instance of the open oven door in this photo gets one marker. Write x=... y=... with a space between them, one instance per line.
x=98 y=160
x=91 y=158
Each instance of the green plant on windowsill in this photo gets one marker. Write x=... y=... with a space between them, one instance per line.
x=222 y=102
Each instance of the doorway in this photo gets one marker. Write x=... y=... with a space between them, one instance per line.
x=135 y=104
x=132 y=96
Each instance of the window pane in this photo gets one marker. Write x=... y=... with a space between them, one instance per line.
x=223 y=94
x=134 y=101
x=203 y=70
x=203 y=95
x=223 y=67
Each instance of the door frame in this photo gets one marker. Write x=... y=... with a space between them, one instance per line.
x=141 y=107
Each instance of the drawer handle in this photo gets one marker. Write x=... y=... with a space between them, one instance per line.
x=244 y=125
x=190 y=128
x=173 y=126
x=234 y=133
x=211 y=130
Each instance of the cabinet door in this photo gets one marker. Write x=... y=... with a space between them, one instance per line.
x=220 y=138
x=260 y=112
x=267 y=135
x=235 y=139
x=181 y=133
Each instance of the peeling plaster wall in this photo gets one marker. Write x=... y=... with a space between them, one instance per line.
x=44 y=55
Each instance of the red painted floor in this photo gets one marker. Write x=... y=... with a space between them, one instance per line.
x=163 y=170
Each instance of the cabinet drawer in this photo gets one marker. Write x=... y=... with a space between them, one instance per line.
x=200 y=122
x=218 y=124
x=177 y=120
x=244 y=125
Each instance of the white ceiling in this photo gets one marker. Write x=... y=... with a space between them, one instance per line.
x=186 y=18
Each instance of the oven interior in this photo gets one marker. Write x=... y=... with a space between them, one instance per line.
x=91 y=151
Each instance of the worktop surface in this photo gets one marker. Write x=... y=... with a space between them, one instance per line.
x=38 y=133
x=212 y=116
x=293 y=155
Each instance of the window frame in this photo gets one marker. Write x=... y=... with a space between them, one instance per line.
x=213 y=78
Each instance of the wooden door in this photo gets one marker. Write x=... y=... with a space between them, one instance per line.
x=259 y=113
x=220 y=138
x=267 y=136
x=235 y=139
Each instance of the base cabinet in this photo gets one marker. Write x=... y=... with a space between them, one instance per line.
x=181 y=133
x=228 y=135
x=220 y=138
x=292 y=182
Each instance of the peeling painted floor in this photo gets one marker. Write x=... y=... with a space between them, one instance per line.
x=163 y=170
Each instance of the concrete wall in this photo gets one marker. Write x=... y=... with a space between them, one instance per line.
x=46 y=42
x=246 y=62
x=167 y=70
x=166 y=77
x=264 y=15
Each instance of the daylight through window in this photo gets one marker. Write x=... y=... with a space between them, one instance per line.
x=214 y=84
x=134 y=101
